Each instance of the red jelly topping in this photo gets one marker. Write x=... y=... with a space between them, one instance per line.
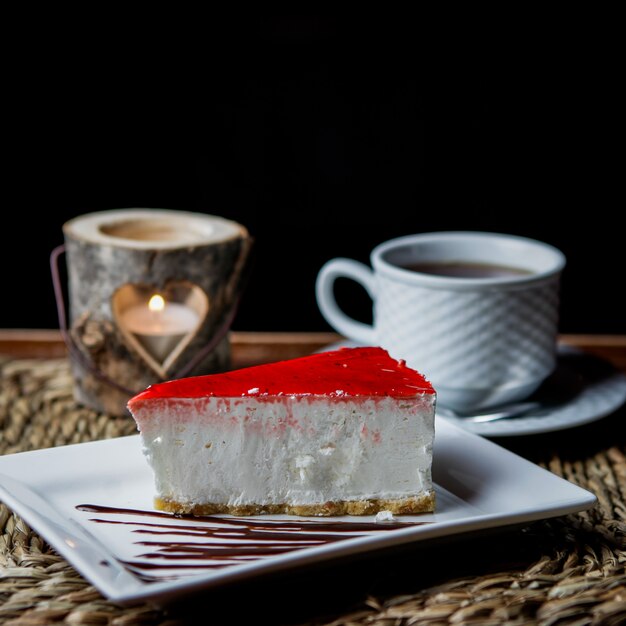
x=346 y=372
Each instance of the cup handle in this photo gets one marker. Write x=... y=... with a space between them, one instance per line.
x=344 y=268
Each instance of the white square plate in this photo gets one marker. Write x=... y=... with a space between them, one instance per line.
x=478 y=484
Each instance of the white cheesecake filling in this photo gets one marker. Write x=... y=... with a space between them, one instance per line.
x=292 y=449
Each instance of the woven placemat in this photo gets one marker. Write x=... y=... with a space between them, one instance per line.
x=570 y=570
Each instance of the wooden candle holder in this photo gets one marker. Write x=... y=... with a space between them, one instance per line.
x=117 y=260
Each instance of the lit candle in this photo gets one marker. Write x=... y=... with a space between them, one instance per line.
x=160 y=326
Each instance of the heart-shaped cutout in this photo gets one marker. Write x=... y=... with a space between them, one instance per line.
x=158 y=324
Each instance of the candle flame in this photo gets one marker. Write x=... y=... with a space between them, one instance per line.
x=156 y=303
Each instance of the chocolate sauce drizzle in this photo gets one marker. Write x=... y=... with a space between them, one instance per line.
x=213 y=542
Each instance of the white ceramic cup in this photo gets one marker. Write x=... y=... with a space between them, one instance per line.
x=480 y=341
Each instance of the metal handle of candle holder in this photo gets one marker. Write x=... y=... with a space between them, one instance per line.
x=76 y=353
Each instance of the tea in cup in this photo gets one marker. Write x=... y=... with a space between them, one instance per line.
x=475 y=312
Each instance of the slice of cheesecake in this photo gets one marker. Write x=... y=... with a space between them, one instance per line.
x=343 y=432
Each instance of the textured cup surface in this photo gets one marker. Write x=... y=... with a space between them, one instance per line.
x=480 y=341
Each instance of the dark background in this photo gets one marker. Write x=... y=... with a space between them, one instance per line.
x=324 y=137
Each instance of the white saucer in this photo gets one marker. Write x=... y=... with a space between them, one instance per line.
x=600 y=389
